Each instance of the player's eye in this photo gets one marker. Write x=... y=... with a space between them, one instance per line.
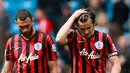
x=21 y=27
x=82 y=29
x=88 y=27
x=27 y=25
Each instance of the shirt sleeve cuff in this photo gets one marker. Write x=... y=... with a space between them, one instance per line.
x=112 y=54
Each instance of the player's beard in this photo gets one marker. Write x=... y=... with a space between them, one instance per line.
x=27 y=34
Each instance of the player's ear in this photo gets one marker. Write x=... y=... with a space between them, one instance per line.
x=94 y=22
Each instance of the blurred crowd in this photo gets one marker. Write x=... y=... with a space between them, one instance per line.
x=113 y=17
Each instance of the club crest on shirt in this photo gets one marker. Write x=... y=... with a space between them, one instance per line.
x=38 y=46
x=99 y=45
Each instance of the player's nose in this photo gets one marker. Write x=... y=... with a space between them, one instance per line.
x=86 y=32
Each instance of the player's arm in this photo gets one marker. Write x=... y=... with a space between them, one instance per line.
x=8 y=67
x=9 y=60
x=61 y=37
x=53 y=66
x=51 y=55
x=112 y=55
x=116 y=67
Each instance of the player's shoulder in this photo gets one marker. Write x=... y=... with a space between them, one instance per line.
x=100 y=32
x=71 y=31
x=13 y=37
x=103 y=34
x=41 y=33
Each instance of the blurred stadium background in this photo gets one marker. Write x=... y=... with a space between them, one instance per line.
x=113 y=17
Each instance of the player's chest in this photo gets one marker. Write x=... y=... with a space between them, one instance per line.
x=27 y=51
x=90 y=49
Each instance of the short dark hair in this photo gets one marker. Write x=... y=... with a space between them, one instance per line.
x=90 y=14
x=23 y=14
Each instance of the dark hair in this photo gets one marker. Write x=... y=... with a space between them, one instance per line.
x=23 y=14
x=85 y=16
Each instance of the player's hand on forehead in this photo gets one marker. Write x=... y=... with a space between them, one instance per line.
x=78 y=12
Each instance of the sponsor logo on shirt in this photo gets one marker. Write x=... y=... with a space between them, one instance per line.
x=90 y=56
x=29 y=58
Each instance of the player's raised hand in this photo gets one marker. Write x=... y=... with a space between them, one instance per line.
x=77 y=13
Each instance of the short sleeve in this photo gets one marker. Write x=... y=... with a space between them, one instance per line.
x=110 y=47
x=8 y=51
x=70 y=35
x=51 y=49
